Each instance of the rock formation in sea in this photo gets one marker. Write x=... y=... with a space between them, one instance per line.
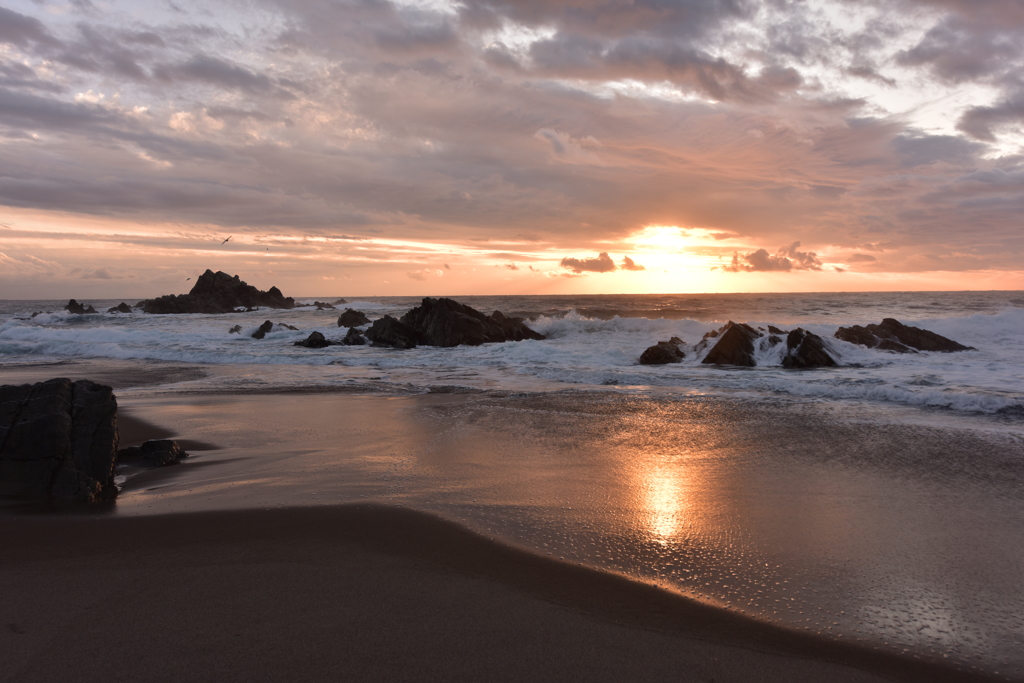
x=388 y=331
x=153 y=453
x=217 y=293
x=353 y=338
x=59 y=438
x=806 y=350
x=892 y=335
x=663 y=352
x=446 y=322
x=235 y=329
x=339 y=302
x=352 y=318
x=735 y=346
x=77 y=308
x=120 y=308
x=266 y=328
x=316 y=340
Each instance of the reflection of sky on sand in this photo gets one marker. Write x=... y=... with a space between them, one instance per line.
x=771 y=512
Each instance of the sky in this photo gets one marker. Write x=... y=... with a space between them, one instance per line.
x=446 y=147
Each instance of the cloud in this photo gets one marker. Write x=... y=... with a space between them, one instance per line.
x=511 y=266
x=424 y=274
x=629 y=264
x=861 y=258
x=785 y=259
x=602 y=264
x=981 y=122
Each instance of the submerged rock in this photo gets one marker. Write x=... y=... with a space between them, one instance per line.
x=892 y=335
x=353 y=338
x=339 y=302
x=316 y=341
x=78 y=309
x=217 y=293
x=153 y=453
x=446 y=322
x=662 y=353
x=388 y=331
x=120 y=308
x=236 y=329
x=59 y=438
x=352 y=318
x=735 y=345
x=806 y=350
x=321 y=305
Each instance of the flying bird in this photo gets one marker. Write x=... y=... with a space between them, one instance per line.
x=226 y=241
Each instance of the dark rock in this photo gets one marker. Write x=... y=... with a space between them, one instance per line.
x=120 y=308
x=774 y=340
x=663 y=353
x=353 y=338
x=59 y=438
x=892 y=335
x=735 y=346
x=154 y=453
x=446 y=322
x=316 y=341
x=237 y=329
x=78 y=309
x=262 y=330
x=388 y=331
x=339 y=302
x=321 y=305
x=806 y=350
x=217 y=293
x=774 y=330
x=351 y=318
x=288 y=327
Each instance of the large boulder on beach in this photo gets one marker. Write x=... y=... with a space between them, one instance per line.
x=353 y=338
x=663 y=353
x=153 y=453
x=59 y=438
x=352 y=318
x=892 y=335
x=446 y=322
x=388 y=331
x=806 y=350
x=735 y=346
x=316 y=340
x=78 y=309
x=218 y=293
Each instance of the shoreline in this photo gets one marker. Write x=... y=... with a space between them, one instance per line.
x=174 y=563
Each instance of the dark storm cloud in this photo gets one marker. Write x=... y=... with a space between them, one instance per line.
x=982 y=122
x=602 y=264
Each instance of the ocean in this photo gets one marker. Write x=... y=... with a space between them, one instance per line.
x=879 y=502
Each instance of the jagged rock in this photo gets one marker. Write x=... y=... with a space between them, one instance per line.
x=892 y=335
x=774 y=339
x=153 y=453
x=59 y=438
x=237 y=329
x=321 y=305
x=388 y=331
x=217 y=293
x=774 y=330
x=120 y=308
x=445 y=322
x=353 y=338
x=78 y=309
x=663 y=353
x=351 y=318
x=806 y=350
x=316 y=341
x=288 y=327
x=339 y=302
x=262 y=330
x=735 y=345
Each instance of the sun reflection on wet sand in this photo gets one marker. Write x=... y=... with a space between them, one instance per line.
x=665 y=499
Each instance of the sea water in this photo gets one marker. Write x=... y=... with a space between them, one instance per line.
x=591 y=340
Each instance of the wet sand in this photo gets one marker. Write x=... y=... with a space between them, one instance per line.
x=364 y=592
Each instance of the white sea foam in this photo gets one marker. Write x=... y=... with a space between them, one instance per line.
x=579 y=350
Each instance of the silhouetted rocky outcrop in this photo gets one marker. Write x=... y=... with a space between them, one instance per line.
x=339 y=302
x=217 y=293
x=153 y=453
x=388 y=331
x=316 y=340
x=59 y=438
x=806 y=350
x=262 y=330
x=351 y=318
x=120 y=308
x=663 y=352
x=735 y=346
x=353 y=338
x=892 y=335
x=78 y=309
x=446 y=322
